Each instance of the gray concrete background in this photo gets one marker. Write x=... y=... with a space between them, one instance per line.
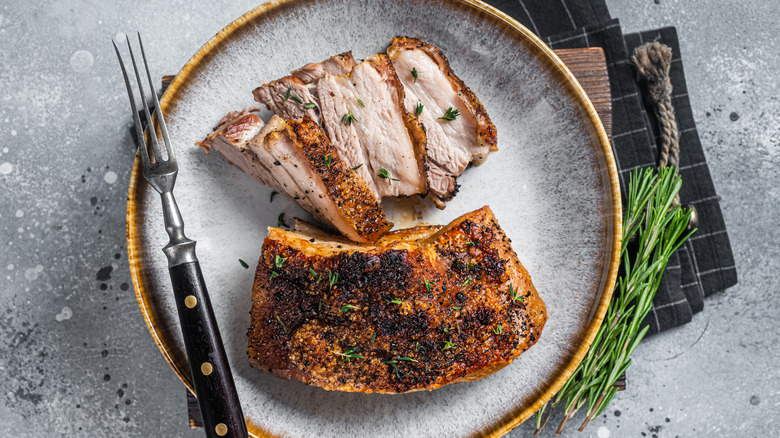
x=75 y=356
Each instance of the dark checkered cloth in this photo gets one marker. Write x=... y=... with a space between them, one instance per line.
x=705 y=264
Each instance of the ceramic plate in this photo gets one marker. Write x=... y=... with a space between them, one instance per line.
x=552 y=185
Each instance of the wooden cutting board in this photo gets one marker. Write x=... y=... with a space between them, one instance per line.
x=589 y=66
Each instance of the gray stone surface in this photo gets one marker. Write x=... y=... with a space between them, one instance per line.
x=75 y=356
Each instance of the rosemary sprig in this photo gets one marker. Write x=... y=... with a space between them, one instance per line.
x=428 y=285
x=310 y=105
x=280 y=221
x=419 y=108
x=360 y=102
x=296 y=98
x=279 y=261
x=414 y=73
x=358 y=166
x=395 y=301
x=273 y=193
x=327 y=160
x=243 y=263
x=659 y=227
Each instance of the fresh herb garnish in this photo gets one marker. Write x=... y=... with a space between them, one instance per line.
x=309 y=105
x=373 y=338
x=358 y=166
x=279 y=260
x=348 y=118
x=653 y=229
x=319 y=306
x=350 y=354
x=456 y=307
x=360 y=102
x=395 y=301
x=408 y=359
x=327 y=160
x=416 y=346
x=428 y=284
x=470 y=243
x=383 y=173
x=458 y=326
x=287 y=95
x=243 y=263
x=333 y=277
x=450 y=114
x=273 y=274
x=498 y=330
x=447 y=345
x=281 y=323
x=393 y=363
x=414 y=73
x=419 y=108
x=296 y=98
x=346 y=307
x=280 y=221
x=273 y=193
x=468 y=280
x=315 y=275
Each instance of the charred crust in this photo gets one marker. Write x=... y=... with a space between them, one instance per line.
x=354 y=199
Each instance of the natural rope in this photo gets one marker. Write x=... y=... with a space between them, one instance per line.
x=652 y=62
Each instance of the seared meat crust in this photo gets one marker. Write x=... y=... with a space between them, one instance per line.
x=422 y=309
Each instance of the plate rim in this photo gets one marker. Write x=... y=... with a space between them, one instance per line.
x=513 y=419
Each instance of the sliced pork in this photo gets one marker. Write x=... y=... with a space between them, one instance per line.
x=296 y=158
x=458 y=128
x=363 y=113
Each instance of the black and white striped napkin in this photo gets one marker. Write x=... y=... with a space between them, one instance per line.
x=705 y=264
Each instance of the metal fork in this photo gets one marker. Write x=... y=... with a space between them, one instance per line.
x=213 y=381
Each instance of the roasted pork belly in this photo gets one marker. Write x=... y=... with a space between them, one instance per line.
x=420 y=309
x=458 y=128
x=296 y=158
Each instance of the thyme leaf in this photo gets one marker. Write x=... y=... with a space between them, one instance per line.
x=383 y=173
x=450 y=114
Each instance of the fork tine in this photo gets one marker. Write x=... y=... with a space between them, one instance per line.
x=149 y=122
x=158 y=110
x=138 y=128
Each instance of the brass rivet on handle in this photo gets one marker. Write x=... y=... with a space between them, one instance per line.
x=206 y=368
x=190 y=301
x=221 y=429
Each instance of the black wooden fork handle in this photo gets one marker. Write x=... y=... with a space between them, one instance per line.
x=214 y=386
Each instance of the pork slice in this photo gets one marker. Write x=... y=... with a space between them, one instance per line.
x=230 y=139
x=288 y=98
x=335 y=65
x=452 y=144
x=420 y=309
x=303 y=164
x=365 y=118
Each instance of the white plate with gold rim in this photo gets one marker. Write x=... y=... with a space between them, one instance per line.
x=552 y=185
